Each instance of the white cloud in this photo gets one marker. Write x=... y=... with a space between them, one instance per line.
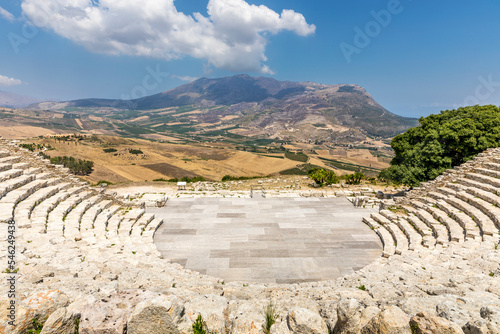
x=6 y=81
x=232 y=37
x=185 y=78
x=6 y=15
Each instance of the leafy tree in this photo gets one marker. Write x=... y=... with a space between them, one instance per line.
x=323 y=177
x=441 y=142
x=135 y=151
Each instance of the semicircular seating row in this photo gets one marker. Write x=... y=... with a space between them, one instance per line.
x=52 y=207
x=462 y=204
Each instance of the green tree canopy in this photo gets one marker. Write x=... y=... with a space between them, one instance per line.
x=323 y=177
x=441 y=142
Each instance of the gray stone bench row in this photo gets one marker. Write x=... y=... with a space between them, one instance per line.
x=428 y=239
x=10 y=159
x=11 y=184
x=10 y=174
x=455 y=231
x=40 y=213
x=74 y=217
x=10 y=200
x=439 y=231
x=475 y=215
x=57 y=217
x=24 y=209
x=386 y=238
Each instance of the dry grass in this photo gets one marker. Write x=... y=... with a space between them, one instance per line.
x=21 y=132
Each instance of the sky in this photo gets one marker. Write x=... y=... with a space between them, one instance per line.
x=414 y=57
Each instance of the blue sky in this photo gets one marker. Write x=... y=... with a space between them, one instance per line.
x=420 y=57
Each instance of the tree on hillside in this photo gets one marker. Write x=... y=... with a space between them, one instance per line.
x=323 y=177
x=441 y=142
x=76 y=166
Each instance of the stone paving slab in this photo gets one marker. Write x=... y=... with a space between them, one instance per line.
x=267 y=240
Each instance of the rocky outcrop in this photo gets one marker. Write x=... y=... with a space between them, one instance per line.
x=86 y=262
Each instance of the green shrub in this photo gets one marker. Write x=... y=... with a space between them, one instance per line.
x=101 y=182
x=199 y=326
x=270 y=316
x=37 y=326
x=110 y=150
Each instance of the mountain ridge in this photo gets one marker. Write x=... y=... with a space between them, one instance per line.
x=268 y=104
x=13 y=100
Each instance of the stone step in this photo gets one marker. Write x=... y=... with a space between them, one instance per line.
x=468 y=225
x=141 y=224
x=488 y=180
x=455 y=231
x=10 y=159
x=56 y=218
x=21 y=165
x=439 y=231
x=488 y=172
x=90 y=216
x=102 y=221
x=414 y=238
x=39 y=215
x=25 y=208
x=384 y=235
x=399 y=236
x=490 y=226
x=428 y=239
x=5 y=166
x=11 y=184
x=485 y=195
x=73 y=218
x=483 y=221
x=8 y=202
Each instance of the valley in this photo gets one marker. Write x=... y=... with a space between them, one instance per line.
x=239 y=126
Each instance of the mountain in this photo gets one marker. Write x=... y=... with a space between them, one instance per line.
x=13 y=100
x=271 y=106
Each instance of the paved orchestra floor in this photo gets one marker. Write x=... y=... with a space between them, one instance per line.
x=282 y=240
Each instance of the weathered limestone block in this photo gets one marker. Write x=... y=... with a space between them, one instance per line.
x=352 y=316
x=62 y=321
x=390 y=321
x=39 y=306
x=489 y=324
x=426 y=323
x=247 y=317
x=212 y=308
x=280 y=327
x=109 y=315
x=152 y=317
x=304 y=321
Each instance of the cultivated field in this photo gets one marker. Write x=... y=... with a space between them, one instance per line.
x=116 y=161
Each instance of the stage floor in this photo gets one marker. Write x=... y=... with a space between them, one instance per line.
x=267 y=240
